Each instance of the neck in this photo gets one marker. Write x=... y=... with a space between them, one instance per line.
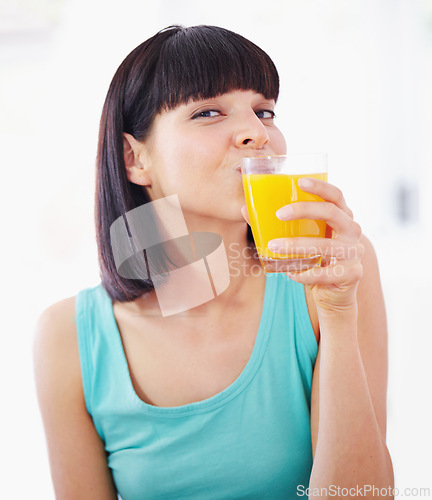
x=223 y=280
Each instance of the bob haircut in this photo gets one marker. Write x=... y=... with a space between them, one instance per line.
x=171 y=68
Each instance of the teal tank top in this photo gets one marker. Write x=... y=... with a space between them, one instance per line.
x=250 y=441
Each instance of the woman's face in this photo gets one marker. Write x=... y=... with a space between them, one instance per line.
x=195 y=150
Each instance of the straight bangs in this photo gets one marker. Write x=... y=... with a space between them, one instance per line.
x=202 y=62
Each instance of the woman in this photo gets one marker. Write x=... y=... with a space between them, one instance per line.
x=268 y=389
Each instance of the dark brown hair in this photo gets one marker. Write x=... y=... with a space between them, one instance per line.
x=170 y=68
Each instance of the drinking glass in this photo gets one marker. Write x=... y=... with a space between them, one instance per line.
x=271 y=182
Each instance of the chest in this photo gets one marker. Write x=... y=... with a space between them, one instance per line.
x=245 y=450
x=254 y=445
x=175 y=362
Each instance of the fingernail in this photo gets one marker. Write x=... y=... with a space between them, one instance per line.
x=305 y=183
x=284 y=212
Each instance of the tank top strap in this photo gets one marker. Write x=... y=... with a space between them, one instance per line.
x=99 y=346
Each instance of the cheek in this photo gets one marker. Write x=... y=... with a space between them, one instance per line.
x=195 y=156
x=181 y=167
x=279 y=143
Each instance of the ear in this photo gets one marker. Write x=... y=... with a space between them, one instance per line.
x=136 y=161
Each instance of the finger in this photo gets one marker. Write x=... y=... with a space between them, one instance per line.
x=327 y=261
x=245 y=214
x=336 y=218
x=338 y=274
x=326 y=191
x=326 y=247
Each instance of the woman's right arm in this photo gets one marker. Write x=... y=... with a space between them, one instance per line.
x=77 y=456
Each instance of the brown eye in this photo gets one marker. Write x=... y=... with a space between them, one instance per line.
x=208 y=113
x=265 y=114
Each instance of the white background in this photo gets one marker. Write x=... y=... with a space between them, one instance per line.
x=356 y=78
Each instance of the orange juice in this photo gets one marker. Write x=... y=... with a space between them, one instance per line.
x=267 y=193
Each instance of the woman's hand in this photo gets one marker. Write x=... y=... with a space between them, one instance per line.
x=334 y=285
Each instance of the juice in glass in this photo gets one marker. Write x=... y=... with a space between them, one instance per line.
x=268 y=191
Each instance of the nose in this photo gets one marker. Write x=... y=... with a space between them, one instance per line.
x=251 y=133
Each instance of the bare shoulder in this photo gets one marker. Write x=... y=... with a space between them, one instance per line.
x=77 y=456
x=372 y=320
x=370 y=296
x=61 y=313
x=369 y=253
x=372 y=332
x=55 y=331
x=370 y=290
x=55 y=347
